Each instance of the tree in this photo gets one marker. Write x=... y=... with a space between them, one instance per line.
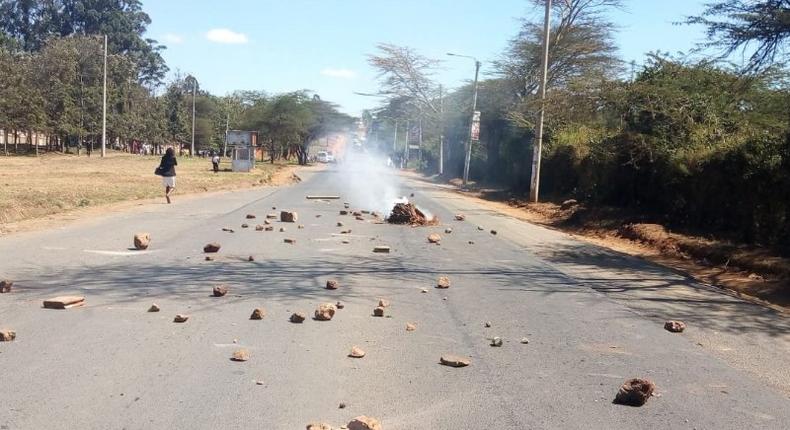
x=761 y=27
x=405 y=73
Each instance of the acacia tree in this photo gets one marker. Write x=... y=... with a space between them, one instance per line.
x=761 y=27
x=405 y=73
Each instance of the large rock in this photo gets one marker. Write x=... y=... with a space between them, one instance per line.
x=443 y=282
x=142 y=240
x=378 y=312
x=240 y=355
x=332 y=284
x=154 y=308
x=635 y=392
x=219 y=291
x=455 y=361
x=364 y=423
x=181 y=318
x=6 y=285
x=325 y=312
x=675 y=326
x=286 y=216
x=298 y=317
x=257 y=314
x=211 y=247
x=7 y=335
x=434 y=238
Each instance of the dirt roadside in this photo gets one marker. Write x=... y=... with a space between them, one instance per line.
x=750 y=273
x=284 y=175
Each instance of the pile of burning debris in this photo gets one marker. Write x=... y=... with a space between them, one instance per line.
x=407 y=213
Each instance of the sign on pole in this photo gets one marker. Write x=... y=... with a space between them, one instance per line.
x=476 y=126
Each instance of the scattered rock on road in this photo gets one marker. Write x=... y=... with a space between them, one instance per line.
x=7 y=335
x=245 y=226
x=6 y=285
x=356 y=352
x=64 y=302
x=282 y=229
x=154 y=308
x=382 y=249
x=364 y=423
x=219 y=291
x=300 y=226
x=340 y=305
x=209 y=258
x=271 y=216
x=325 y=312
x=269 y=228
x=348 y=231
x=378 y=312
x=448 y=230
x=181 y=318
x=443 y=282
x=479 y=227
x=524 y=340
x=455 y=361
x=487 y=324
x=343 y=212
x=342 y=405
x=319 y=426
x=496 y=341
x=635 y=392
x=286 y=216
x=298 y=317
x=493 y=232
x=424 y=290
x=675 y=326
x=257 y=314
x=259 y=227
x=212 y=248
x=460 y=217
x=267 y=222
x=227 y=229
x=250 y=258
x=142 y=240
x=434 y=238
x=384 y=303
x=411 y=326
x=332 y=284
x=240 y=355
x=289 y=240
x=250 y=216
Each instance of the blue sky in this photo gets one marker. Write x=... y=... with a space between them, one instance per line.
x=322 y=45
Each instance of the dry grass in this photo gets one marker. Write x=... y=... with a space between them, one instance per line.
x=33 y=187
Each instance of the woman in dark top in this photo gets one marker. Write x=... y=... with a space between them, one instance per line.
x=167 y=170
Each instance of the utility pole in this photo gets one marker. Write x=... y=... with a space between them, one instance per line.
x=104 y=105
x=468 y=158
x=441 y=132
x=227 y=127
x=194 y=91
x=534 y=186
x=395 y=139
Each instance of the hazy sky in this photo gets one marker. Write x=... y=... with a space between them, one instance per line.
x=322 y=45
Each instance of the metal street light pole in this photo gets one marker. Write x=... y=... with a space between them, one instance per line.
x=194 y=91
x=534 y=186
x=468 y=156
x=104 y=105
x=441 y=132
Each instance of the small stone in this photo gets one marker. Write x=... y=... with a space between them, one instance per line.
x=365 y=212
x=250 y=216
x=250 y=258
x=434 y=238
x=356 y=213
x=274 y=208
x=359 y=218
x=524 y=340
x=382 y=249
x=300 y=226
x=267 y=222
x=142 y=240
x=448 y=230
x=181 y=318
x=411 y=326
x=455 y=361
x=235 y=341
x=257 y=314
x=219 y=291
x=460 y=217
x=6 y=285
x=211 y=248
x=240 y=355
x=347 y=231
x=154 y=308
x=635 y=392
x=493 y=232
x=341 y=405
x=227 y=229
x=259 y=227
x=444 y=298
x=340 y=305
x=496 y=341
x=384 y=303
x=271 y=216
x=258 y=382
x=424 y=290
x=245 y=226
x=675 y=326
x=480 y=228
x=488 y=324
x=325 y=312
x=286 y=216
x=340 y=224
x=443 y=282
x=269 y=228
x=343 y=212
x=282 y=229
x=364 y=423
x=7 y=335
x=289 y=240
x=378 y=312
x=209 y=258
x=346 y=205
x=319 y=426
x=318 y=216
x=346 y=241
x=332 y=284
x=298 y=317
x=356 y=352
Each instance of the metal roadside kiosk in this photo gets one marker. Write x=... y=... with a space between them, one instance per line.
x=242 y=144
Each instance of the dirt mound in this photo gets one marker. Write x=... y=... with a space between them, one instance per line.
x=407 y=213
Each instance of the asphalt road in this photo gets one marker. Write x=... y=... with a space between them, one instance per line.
x=112 y=365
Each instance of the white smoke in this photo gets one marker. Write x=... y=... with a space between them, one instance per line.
x=371 y=183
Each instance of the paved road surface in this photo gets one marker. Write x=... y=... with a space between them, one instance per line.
x=593 y=319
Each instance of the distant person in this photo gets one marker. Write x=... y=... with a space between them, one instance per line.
x=167 y=170
x=215 y=162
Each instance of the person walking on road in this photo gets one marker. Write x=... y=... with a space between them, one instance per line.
x=167 y=170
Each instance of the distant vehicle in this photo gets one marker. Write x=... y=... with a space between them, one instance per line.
x=324 y=157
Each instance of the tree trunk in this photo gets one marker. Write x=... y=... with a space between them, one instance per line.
x=16 y=142
x=5 y=141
